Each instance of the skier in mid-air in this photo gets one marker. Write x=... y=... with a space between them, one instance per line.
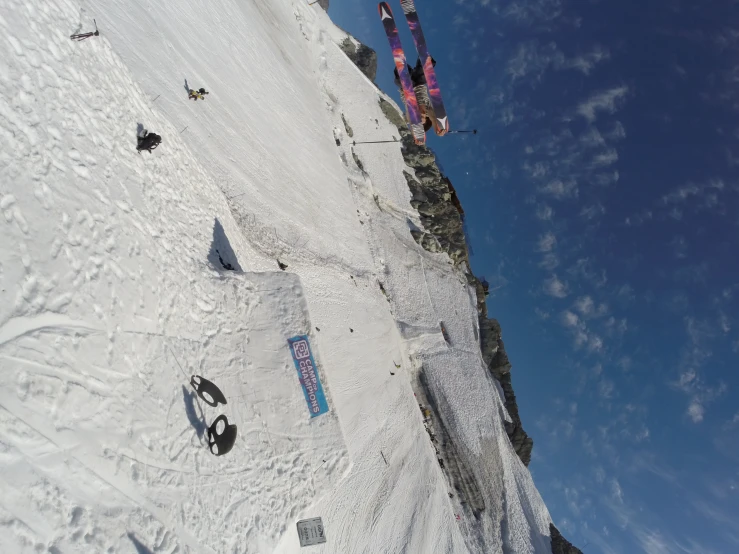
x=418 y=78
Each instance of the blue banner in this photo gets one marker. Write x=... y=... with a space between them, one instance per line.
x=308 y=375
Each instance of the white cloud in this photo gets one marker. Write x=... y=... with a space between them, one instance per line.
x=606 y=388
x=460 y=21
x=605 y=101
x=585 y=305
x=560 y=189
x=696 y=410
x=679 y=246
x=618 y=132
x=690 y=379
x=616 y=492
x=544 y=212
x=586 y=62
x=547 y=242
x=549 y=261
x=638 y=219
x=594 y=210
x=570 y=319
x=642 y=435
x=554 y=287
x=605 y=158
x=542 y=314
x=682 y=193
x=724 y=323
x=595 y=343
x=626 y=292
x=605 y=179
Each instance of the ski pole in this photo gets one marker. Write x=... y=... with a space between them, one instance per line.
x=473 y=131
x=354 y=143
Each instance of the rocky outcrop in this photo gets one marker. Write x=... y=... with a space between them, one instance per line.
x=323 y=4
x=442 y=217
x=432 y=197
x=363 y=56
x=432 y=200
x=561 y=545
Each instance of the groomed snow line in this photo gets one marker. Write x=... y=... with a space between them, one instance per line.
x=122 y=274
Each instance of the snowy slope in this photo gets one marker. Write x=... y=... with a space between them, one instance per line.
x=112 y=294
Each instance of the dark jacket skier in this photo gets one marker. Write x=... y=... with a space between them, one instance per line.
x=148 y=141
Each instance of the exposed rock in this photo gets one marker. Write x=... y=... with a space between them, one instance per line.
x=522 y=443
x=363 y=56
x=357 y=161
x=435 y=199
x=561 y=545
x=493 y=350
x=323 y=4
x=348 y=129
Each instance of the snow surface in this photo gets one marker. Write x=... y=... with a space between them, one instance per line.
x=112 y=293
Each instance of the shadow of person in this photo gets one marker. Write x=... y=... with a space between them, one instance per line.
x=140 y=548
x=187 y=87
x=197 y=422
x=221 y=254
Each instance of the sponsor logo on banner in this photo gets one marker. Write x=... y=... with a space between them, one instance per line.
x=308 y=375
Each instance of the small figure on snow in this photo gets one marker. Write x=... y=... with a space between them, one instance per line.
x=147 y=141
x=83 y=36
x=195 y=94
x=418 y=78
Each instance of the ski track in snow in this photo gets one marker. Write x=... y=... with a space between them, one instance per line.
x=112 y=296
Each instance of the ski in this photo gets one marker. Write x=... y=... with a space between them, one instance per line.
x=414 y=114
x=411 y=15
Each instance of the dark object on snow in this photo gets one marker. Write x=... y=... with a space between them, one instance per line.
x=223 y=442
x=311 y=531
x=204 y=387
x=351 y=330
x=282 y=266
x=148 y=141
x=83 y=36
x=195 y=94
x=225 y=265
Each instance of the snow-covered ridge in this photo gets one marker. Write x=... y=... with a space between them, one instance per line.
x=115 y=287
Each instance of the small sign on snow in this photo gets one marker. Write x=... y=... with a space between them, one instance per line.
x=310 y=531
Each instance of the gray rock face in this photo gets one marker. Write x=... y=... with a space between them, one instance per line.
x=323 y=4
x=561 y=545
x=363 y=56
x=435 y=199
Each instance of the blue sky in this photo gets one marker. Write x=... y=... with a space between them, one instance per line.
x=602 y=202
